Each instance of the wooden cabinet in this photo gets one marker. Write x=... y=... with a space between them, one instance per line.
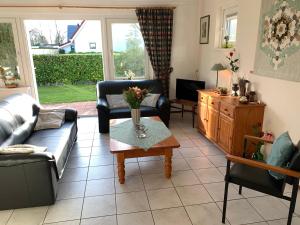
x=224 y=121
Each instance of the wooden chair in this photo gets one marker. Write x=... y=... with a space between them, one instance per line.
x=255 y=175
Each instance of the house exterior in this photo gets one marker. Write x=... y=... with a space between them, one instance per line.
x=84 y=37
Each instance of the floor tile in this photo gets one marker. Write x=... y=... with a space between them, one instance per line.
x=139 y=218
x=149 y=158
x=131 y=169
x=262 y=205
x=77 y=174
x=76 y=162
x=186 y=143
x=191 y=152
x=100 y=187
x=28 y=216
x=209 y=175
x=4 y=216
x=195 y=194
x=156 y=181
x=72 y=222
x=208 y=214
x=99 y=172
x=171 y=217
x=241 y=212
x=63 y=210
x=99 y=206
x=287 y=203
x=71 y=190
x=295 y=221
x=84 y=143
x=199 y=163
x=103 y=160
x=163 y=198
x=248 y=193
x=151 y=167
x=181 y=178
x=180 y=164
x=132 y=202
x=201 y=141
x=132 y=183
x=106 y=220
x=100 y=150
x=218 y=160
x=80 y=152
x=211 y=150
x=216 y=191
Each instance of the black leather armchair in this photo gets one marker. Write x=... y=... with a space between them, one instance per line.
x=104 y=88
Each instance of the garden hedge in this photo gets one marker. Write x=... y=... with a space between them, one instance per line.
x=68 y=68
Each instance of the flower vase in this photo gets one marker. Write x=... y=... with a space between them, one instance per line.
x=135 y=116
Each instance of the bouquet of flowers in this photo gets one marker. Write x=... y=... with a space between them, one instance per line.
x=233 y=61
x=134 y=96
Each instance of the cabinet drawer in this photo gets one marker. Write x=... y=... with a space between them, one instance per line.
x=202 y=98
x=214 y=103
x=227 y=109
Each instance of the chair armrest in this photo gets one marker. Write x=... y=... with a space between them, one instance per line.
x=70 y=115
x=163 y=102
x=263 y=166
x=253 y=138
x=102 y=104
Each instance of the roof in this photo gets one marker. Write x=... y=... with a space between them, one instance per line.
x=73 y=31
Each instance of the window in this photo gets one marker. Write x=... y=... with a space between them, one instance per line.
x=230 y=20
x=92 y=45
x=128 y=58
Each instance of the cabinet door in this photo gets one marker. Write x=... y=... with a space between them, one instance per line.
x=202 y=119
x=212 y=123
x=225 y=132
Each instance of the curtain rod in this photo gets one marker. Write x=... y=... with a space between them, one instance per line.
x=84 y=7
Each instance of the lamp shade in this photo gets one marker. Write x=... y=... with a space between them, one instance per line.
x=218 y=67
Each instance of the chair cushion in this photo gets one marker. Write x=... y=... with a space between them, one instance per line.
x=255 y=179
x=125 y=112
x=282 y=150
x=57 y=141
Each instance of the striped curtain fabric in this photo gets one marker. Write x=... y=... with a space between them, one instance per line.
x=156 y=25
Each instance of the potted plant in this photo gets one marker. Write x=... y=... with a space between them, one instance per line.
x=10 y=79
x=134 y=97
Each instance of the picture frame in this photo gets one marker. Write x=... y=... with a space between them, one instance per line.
x=204 y=29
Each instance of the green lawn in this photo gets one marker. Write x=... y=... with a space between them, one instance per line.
x=67 y=93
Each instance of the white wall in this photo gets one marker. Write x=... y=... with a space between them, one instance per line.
x=186 y=22
x=282 y=97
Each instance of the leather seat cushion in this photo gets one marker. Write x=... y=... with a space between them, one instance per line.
x=125 y=112
x=57 y=141
x=256 y=179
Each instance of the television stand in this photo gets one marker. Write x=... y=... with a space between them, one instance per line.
x=183 y=103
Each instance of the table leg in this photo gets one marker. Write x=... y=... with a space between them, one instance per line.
x=168 y=162
x=121 y=167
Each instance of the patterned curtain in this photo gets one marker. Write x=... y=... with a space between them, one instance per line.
x=157 y=28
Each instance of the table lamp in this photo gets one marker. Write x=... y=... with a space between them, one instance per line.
x=218 y=67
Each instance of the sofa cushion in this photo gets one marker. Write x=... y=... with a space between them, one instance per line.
x=57 y=141
x=116 y=101
x=125 y=112
x=150 y=100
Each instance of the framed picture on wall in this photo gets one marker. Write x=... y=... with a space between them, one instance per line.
x=204 y=29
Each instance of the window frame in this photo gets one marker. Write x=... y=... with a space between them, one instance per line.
x=111 y=65
x=227 y=13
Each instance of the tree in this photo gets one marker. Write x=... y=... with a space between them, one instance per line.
x=59 y=37
x=37 y=38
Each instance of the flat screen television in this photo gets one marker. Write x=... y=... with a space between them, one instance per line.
x=187 y=89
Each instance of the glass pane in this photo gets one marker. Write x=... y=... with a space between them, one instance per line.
x=8 y=56
x=231 y=28
x=128 y=50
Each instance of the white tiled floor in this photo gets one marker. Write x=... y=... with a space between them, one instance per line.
x=90 y=193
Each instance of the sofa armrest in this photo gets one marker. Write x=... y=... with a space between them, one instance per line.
x=70 y=115
x=163 y=103
x=102 y=104
x=19 y=159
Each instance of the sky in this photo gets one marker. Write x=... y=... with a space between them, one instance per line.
x=48 y=28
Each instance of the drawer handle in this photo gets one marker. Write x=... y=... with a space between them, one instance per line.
x=228 y=114
x=212 y=103
x=225 y=110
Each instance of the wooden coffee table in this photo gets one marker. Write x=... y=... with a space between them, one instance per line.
x=125 y=151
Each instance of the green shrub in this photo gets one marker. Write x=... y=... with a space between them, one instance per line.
x=68 y=68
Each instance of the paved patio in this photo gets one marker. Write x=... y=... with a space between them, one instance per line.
x=83 y=108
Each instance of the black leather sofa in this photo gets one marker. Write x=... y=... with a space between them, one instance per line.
x=29 y=180
x=104 y=88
